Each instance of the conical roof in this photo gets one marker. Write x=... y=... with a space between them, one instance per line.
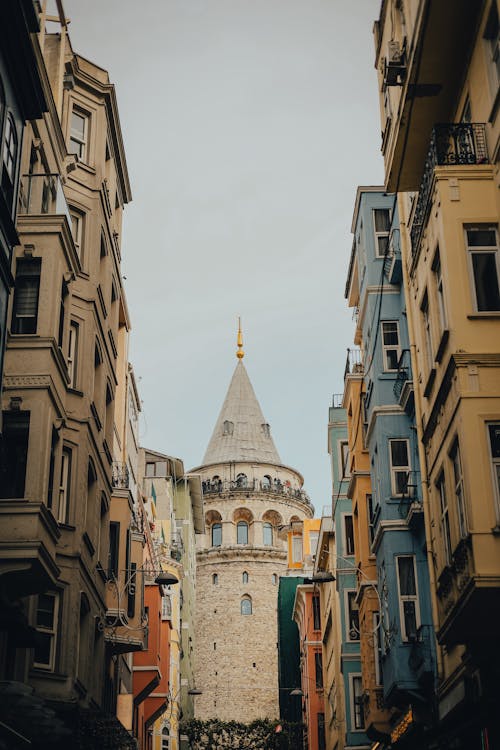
x=241 y=432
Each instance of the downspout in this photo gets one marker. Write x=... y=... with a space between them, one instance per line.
x=406 y=254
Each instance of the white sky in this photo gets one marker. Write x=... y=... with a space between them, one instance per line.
x=248 y=125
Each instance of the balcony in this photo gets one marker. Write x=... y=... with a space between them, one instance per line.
x=354 y=363
x=410 y=504
x=455 y=144
x=403 y=385
x=392 y=262
x=276 y=487
x=42 y=194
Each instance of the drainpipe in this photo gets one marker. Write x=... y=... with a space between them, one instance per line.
x=406 y=254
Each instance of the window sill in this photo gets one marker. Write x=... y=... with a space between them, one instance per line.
x=75 y=391
x=489 y=314
x=47 y=674
x=86 y=167
x=66 y=526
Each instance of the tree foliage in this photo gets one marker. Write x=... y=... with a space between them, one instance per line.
x=262 y=734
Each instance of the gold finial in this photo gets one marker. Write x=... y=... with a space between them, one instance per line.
x=240 y=353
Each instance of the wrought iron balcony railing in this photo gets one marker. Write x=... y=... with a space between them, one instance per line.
x=276 y=487
x=451 y=144
x=404 y=373
x=42 y=194
x=354 y=363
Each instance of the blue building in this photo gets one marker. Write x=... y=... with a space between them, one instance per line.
x=345 y=620
x=405 y=666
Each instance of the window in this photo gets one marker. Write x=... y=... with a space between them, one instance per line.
x=318 y=669
x=275 y=579
x=377 y=647
x=242 y=532
x=47 y=613
x=492 y=37
x=83 y=639
x=344 y=457
x=494 y=438
x=228 y=427
x=266 y=482
x=14 y=453
x=267 y=535
x=316 y=613
x=459 y=489
x=244 y=577
x=246 y=606
x=72 y=353
x=353 y=617
x=371 y=524
x=445 y=518
x=77 y=230
x=400 y=466
x=348 y=535
x=382 y=225
x=10 y=147
x=114 y=548
x=216 y=534
x=438 y=280
x=62 y=313
x=297 y=548
x=313 y=542
x=52 y=464
x=358 y=721
x=409 y=613
x=64 y=486
x=241 y=480
x=321 y=731
x=79 y=134
x=426 y=324
x=25 y=310
x=390 y=345
x=482 y=246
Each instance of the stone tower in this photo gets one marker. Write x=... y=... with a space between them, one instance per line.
x=249 y=496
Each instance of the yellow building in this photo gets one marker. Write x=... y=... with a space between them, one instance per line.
x=439 y=81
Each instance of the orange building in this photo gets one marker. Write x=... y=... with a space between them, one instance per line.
x=151 y=668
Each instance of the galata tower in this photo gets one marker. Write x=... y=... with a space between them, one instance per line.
x=249 y=498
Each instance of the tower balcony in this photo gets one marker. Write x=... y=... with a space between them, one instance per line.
x=274 y=487
x=451 y=145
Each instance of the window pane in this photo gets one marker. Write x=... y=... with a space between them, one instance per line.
x=246 y=607
x=78 y=126
x=494 y=431
x=486 y=281
x=390 y=333
x=42 y=648
x=392 y=359
x=14 y=454
x=382 y=222
x=349 y=535
x=242 y=533
x=485 y=237
x=407 y=584
x=45 y=611
x=216 y=535
x=410 y=618
x=399 y=453
x=268 y=534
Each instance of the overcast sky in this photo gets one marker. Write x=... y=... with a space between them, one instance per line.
x=248 y=125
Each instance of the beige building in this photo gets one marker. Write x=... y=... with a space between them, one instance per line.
x=248 y=495
x=439 y=82
x=64 y=367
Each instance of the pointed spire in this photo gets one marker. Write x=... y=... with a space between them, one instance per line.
x=240 y=353
x=241 y=432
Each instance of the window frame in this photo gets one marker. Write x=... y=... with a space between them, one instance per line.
x=242 y=525
x=381 y=234
x=437 y=270
x=444 y=515
x=296 y=538
x=64 y=487
x=72 y=358
x=52 y=632
x=82 y=142
x=427 y=329
x=390 y=347
x=344 y=457
x=402 y=598
x=267 y=527
x=356 y=698
x=217 y=526
x=482 y=250
x=459 y=488
x=495 y=469
x=348 y=537
x=400 y=468
x=243 y=601
x=18 y=320
x=350 y=596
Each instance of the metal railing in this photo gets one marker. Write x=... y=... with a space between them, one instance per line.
x=337 y=400
x=354 y=363
x=276 y=487
x=404 y=372
x=42 y=194
x=451 y=144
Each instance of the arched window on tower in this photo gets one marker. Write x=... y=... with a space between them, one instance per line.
x=246 y=605
x=242 y=532
x=216 y=535
x=215 y=579
x=244 y=577
x=241 y=480
x=267 y=534
x=275 y=579
x=266 y=482
x=227 y=427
